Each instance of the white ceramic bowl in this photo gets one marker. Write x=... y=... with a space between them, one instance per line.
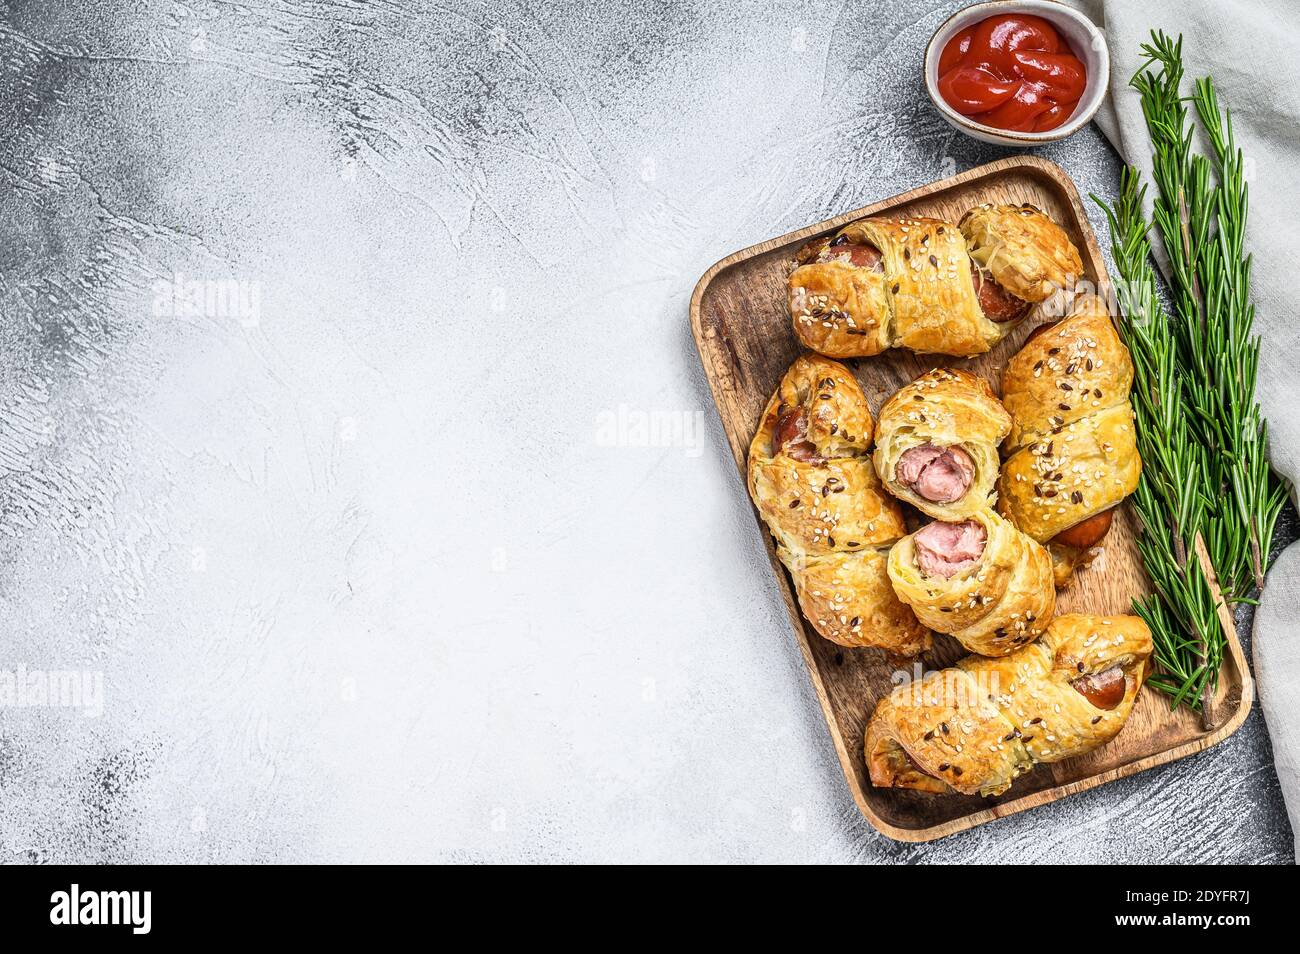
x=1088 y=42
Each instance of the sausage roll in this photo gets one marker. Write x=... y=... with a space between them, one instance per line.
x=937 y=443
x=1072 y=451
x=1022 y=251
x=975 y=727
x=811 y=478
x=981 y=581
x=917 y=283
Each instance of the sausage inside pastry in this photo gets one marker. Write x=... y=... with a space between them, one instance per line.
x=1072 y=450
x=810 y=476
x=926 y=284
x=981 y=581
x=976 y=727
x=937 y=443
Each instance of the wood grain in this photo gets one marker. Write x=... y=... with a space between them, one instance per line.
x=742 y=330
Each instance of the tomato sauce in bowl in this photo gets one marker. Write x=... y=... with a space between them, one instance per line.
x=1012 y=71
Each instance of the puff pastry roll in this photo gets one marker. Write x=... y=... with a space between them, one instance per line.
x=916 y=282
x=810 y=476
x=937 y=443
x=981 y=581
x=1072 y=448
x=1022 y=250
x=975 y=727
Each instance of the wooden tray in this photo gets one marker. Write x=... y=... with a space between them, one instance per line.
x=743 y=332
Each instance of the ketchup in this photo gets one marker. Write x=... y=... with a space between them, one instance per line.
x=1012 y=71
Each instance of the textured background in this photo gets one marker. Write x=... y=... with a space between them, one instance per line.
x=383 y=563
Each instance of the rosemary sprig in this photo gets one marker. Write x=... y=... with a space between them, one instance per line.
x=1202 y=438
x=1200 y=210
x=1257 y=494
x=1170 y=498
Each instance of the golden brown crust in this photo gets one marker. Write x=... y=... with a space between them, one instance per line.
x=976 y=727
x=841 y=505
x=927 y=279
x=945 y=408
x=1073 y=448
x=825 y=507
x=849 y=600
x=840 y=310
x=1069 y=476
x=994 y=607
x=920 y=294
x=1022 y=249
x=1066 y=559
x=1075 y=368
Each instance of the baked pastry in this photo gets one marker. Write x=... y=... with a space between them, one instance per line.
x=1072 y=450
x=981 y=581
x=937 y=443
x=810 y=476
x=977 y=726
x=1022 y=250
x=926 y=284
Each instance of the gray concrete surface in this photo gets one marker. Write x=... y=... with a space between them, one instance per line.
x=330 y=338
